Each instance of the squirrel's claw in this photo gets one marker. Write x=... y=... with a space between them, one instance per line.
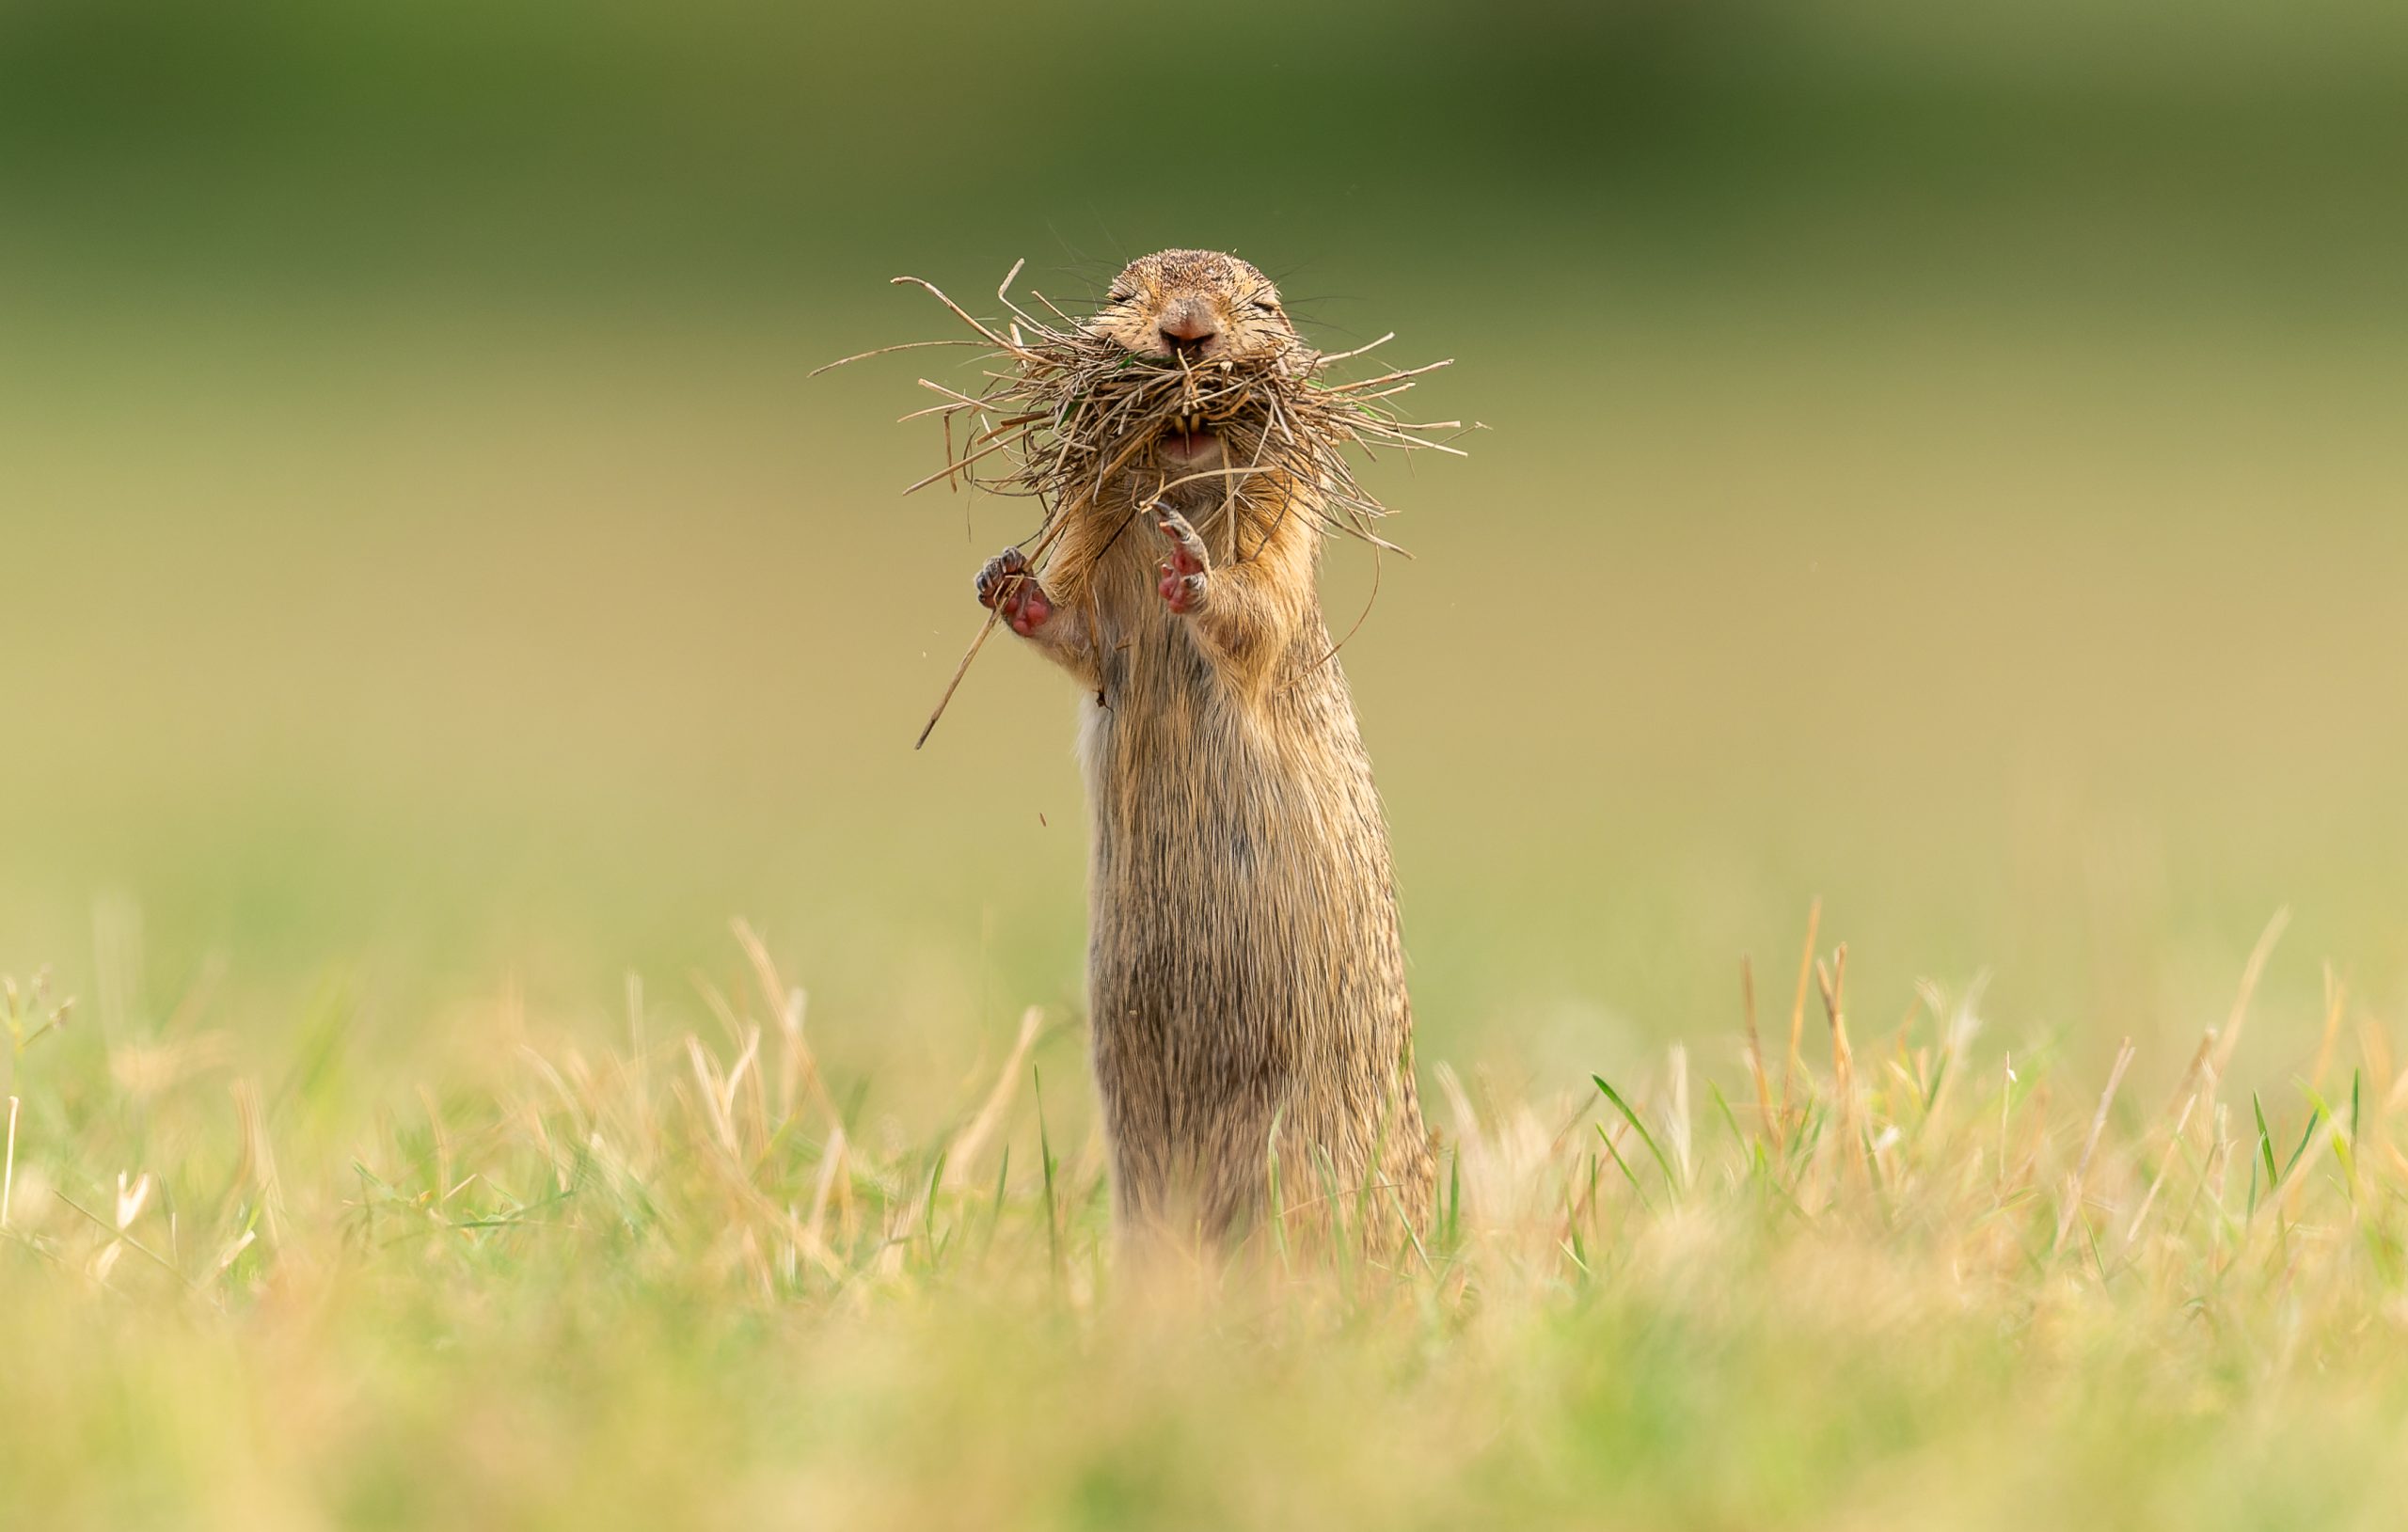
x=1184 y=572
x=1006 y=588
x=991 y=578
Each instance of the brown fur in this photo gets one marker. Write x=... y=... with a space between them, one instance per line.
x=1246 y=979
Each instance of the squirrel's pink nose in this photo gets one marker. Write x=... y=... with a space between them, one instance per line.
x=1186 y=327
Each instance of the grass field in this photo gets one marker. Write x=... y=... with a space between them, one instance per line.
x=458 y=672
x=628 y=1273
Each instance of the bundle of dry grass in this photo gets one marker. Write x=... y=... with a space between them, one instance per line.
x=1065 y=409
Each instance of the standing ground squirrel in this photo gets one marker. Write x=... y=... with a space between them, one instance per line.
x=1247 y=981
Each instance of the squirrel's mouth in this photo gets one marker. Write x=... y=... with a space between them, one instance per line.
x=1188 y=441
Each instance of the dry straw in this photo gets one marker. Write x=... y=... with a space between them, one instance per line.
x=1063 y=410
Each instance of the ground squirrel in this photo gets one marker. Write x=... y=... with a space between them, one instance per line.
x=1247 y=981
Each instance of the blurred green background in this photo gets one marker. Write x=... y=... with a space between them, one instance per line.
x=1949 y=462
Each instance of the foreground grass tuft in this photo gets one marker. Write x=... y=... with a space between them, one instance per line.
x=681 y=1281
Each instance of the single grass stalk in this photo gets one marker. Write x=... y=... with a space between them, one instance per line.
x=9 y=1176
x=2265 y=1141
x=1670 y=1181
x=2090 y=1144
x=1730 y=1118
x=1795 y=1062
x=1677 y=1126
x=2165 y=1168
x=1454 y=1199
x=1334 y=1209
x=1756 y=1052
x=1832 y=982
x=2336 y=997
x=2251 y=973
x=1624 y=1165
x=1275 y=1194
x=1045 y=1157
x=992 y=1111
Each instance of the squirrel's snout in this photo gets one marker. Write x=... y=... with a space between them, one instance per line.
x=1188 y=327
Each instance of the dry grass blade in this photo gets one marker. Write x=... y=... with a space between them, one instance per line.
x=2072 y=1208
x=1830 y=980
x=1756 y=1054
x=2250 y=974
x=1790 y=1068
x=962 y=1154
x=882 y=350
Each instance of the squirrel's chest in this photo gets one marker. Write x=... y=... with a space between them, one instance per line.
x=1160 y=713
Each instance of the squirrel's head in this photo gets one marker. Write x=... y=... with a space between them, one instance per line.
x=1198 y=307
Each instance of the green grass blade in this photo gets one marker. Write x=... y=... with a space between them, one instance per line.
x=2265 y=1144
x=1624 y=1166
x=1644 y=1136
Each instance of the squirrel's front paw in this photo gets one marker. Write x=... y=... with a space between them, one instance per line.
x=1184 y=572
x=1006 y=588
